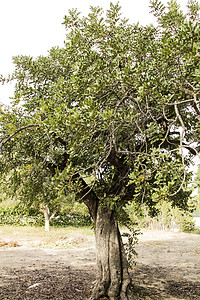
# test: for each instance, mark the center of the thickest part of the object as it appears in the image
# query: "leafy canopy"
(115, 107)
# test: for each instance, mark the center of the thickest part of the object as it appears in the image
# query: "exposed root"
(99, 290)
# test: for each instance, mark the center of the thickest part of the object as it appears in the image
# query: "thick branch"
(118, 163)
(189, 148)
(87, 194)
(17, 131)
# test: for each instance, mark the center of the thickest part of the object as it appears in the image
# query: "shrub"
(72, 219)
(168, 218)
(10, 216)
(187, 225)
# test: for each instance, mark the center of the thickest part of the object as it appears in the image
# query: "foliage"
(129, 245)
(167, 218)
(106, 119)
(17, 212)
(12, 216)
(73, 219)
(187, 225)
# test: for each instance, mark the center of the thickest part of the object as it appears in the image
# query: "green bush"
(168, 217)
(72, 219)
(10, 216)
(187, 225)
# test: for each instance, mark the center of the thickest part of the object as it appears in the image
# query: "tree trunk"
(47, 226)
(112, 269)
(46, 217)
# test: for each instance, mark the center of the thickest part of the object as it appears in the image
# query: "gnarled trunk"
(113, 278)
(112, 269)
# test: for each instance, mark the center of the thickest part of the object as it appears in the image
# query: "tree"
(108, 117)
(29, 194)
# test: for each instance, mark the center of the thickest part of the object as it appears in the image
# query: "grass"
(56, 237)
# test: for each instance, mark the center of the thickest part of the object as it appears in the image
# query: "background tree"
(108, 117)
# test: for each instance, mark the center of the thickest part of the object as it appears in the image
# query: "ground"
(63, 266)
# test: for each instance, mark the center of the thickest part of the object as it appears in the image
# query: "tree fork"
(112, 277)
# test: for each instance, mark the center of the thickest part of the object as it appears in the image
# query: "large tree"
(108, 117)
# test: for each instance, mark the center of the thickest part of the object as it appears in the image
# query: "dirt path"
(167, 267)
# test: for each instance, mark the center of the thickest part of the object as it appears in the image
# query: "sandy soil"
(167, 267)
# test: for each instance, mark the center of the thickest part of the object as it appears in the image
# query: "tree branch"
(88, 196)
(17, 131)
(189, 148)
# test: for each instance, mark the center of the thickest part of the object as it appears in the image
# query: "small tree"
(47, 216)
(108, 117)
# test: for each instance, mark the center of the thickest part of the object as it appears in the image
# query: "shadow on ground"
(154, 283)
(69, 283)
(59, 283)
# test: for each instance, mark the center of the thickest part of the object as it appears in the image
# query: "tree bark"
(47, 225)
(46, 217)
(113, 278)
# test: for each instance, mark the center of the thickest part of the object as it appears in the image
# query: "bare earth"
(167, 267)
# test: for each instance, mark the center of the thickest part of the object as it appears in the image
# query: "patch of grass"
(29, 233)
